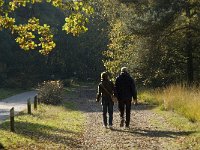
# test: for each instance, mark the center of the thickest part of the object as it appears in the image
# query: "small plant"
(51, 92)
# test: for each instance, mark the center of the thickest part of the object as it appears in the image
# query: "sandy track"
(148, 130)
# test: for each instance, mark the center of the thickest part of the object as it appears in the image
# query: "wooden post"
(12, 120)
(35, 102)
(39, 101)
(29, 106)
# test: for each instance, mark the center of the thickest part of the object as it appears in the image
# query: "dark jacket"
(125, 87)
(102, 93)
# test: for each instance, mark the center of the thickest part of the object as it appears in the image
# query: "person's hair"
(104, 76)
(124, 69)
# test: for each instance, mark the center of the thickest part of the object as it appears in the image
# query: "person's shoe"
(110, 127)
(122, 123)
(105, 126)
(127, 127)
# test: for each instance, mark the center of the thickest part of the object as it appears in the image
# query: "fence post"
(12, 120)
(35, 102)
(29, 106)
(39, 101)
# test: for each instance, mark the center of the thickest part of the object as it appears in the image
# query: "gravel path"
(19, 102)
(148, 130)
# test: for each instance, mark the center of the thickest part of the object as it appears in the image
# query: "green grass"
(4, 93)
(50, 127)
(148, 96)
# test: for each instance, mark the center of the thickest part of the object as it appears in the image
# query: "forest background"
(157, 40)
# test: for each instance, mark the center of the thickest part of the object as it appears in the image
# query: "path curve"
(19, 102)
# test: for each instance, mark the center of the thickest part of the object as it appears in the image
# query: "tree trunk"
(189, 50)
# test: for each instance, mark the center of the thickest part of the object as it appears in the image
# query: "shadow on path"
(143, 106)
(84, 98)
(156, 133)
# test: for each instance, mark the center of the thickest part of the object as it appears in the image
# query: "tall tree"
(165, 38)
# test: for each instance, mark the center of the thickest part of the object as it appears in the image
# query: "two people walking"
(124, 89)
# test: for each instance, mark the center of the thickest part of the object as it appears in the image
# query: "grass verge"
(192, 140)
(179, 98)
(179, 105)
(50, 127)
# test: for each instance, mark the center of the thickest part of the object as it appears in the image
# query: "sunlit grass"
(149, 96)
(50, 127)
(183, 100)
(182, 105)
(180, 98)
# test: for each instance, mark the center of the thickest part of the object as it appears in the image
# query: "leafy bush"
(51, 92)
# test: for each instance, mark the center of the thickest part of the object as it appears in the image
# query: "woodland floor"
(148, 130)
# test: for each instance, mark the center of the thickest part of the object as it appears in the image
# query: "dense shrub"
(51, 92)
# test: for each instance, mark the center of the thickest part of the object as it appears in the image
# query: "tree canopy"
(73, 56)
(158, 40)
(32, 35)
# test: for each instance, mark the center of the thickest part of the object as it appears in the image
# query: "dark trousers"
(122, 105)
(107, 107)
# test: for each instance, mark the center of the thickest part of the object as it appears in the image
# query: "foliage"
(27, 34)
(121, 49)
(74, 56)
(50, 127)
(51, 92)
(81, 57)
(158, 40)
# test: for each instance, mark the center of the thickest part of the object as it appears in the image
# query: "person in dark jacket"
(125, 92)
(105, 90)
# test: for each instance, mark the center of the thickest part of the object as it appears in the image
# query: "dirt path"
(148, 130)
